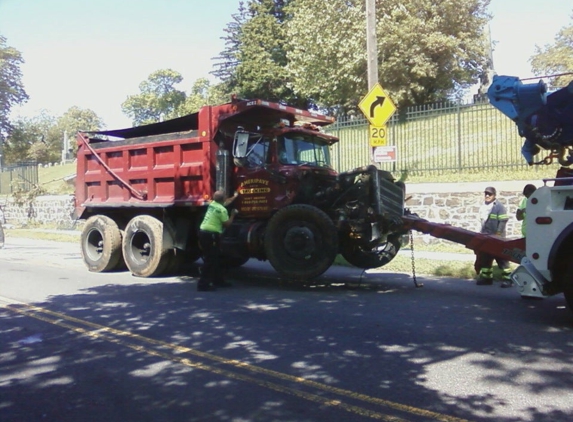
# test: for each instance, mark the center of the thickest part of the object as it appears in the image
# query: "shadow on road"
(425, 349)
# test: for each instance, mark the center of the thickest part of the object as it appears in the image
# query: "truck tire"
(101, 244)
(301, 242)
(143, 247)
(376, 257)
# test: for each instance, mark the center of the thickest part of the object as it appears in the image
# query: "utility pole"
(371, 46)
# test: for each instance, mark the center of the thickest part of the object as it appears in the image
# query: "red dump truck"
(144, 190)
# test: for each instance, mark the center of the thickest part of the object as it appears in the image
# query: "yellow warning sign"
(377, 106)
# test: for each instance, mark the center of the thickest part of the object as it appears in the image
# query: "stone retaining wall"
(53, 211)
(452, 203)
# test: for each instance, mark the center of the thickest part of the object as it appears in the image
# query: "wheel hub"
(299, 242)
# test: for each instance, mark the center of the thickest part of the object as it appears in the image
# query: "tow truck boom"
(510, 249)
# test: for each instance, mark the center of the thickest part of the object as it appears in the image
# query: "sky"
(94, 53)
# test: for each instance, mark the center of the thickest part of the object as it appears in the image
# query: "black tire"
(101, 244)
(301, 242)
(144, 247)
(376, 257)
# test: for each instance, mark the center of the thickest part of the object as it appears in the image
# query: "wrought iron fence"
(435, 139)
(22, 177)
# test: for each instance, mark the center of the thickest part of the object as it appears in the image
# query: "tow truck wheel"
(101, 244)
(143, 247)
(376, 257)
(301, 242)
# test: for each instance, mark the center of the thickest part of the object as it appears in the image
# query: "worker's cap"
(490, 189)
(529, 189)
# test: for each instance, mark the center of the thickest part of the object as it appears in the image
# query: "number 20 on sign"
(378, 136)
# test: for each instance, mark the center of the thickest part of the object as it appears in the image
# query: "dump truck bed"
(169, 163)
(155, 170)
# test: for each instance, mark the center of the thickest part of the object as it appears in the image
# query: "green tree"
(228, 59)
(254, 64)
(71, 122)
(11, 88)
(158, 98)
(556, 58)
(327, 60)
(32, 140)
(202, 94)
(427, 49)
(17, 144)
(41, 138)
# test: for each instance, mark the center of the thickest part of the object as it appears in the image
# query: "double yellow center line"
(178, 354)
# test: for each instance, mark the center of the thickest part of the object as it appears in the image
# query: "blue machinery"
(544, 119)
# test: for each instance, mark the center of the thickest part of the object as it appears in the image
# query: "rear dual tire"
(143, 247)
(147, 249)
(101, 244)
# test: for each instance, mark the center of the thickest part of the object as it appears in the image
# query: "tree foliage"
(41, 138)
(74, 120)
(556, 58)
(427, 49)
(302, 51)
(11, 88)
(31, 140)
(203, 93)
(254, 63)
(228, 59)
(328, 54)
(158, 98)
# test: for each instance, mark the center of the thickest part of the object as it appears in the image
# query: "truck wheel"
(101, 244)
(376, 257)
(143, 250)
(301, 242)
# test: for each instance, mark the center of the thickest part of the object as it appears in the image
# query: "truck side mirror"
(240, 144)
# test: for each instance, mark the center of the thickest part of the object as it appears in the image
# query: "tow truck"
(545, 256)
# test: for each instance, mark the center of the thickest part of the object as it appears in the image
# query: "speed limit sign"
(378, 136)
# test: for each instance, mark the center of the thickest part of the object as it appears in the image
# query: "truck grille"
(389, 201)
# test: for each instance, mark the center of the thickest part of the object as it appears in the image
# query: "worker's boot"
(506, 279)
(485, 277)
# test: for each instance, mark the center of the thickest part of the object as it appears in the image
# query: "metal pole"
(371, 46)
(371, 52)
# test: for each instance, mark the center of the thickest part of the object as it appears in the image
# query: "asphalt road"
(79, 346)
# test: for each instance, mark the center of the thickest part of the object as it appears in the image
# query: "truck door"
(251, 154)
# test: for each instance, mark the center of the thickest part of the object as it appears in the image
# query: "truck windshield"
(298, 148)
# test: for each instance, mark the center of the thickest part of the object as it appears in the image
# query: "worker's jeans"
(211, 271)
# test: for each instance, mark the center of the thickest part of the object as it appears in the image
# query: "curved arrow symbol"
(379, 101)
